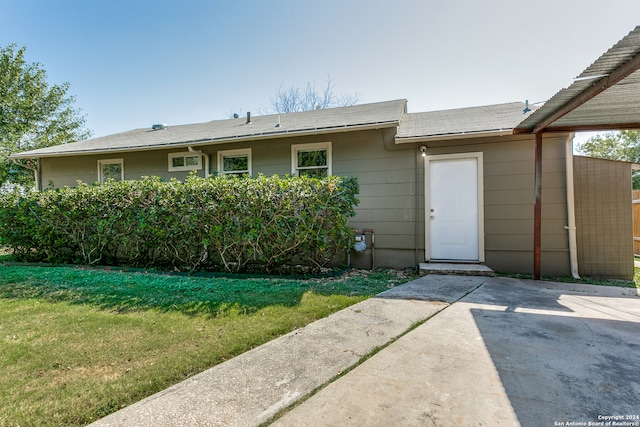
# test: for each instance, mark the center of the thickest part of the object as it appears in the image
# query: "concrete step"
(460, 269)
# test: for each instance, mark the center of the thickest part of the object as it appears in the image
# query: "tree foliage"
(293, 99)
(623, 145)
(33, 114)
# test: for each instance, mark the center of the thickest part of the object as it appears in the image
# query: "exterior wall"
(391, 178)
(604, 223)
(387, 179)
(508, 201)
(60, 171)
(391, 198)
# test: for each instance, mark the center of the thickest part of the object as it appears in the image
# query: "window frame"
(104, 162)
(315, 146)
(186, 167)
(235, 153)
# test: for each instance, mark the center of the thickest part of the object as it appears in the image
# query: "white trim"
(449, 136)
(205, 156)
(571, 209)
(316, 146)
(186, 167)
(208, 141)
(234, 153)
(36, 171)
(110, 162)
(480, 190)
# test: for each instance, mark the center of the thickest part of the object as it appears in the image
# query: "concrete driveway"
(486, 352)
(512, 352)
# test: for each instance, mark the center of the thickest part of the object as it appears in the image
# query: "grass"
(78, 344)
(585, 280)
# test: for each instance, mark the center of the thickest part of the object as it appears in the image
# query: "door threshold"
(454, 268)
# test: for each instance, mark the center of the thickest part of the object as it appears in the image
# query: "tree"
(293, 99)
(623, 145)
(33, 114)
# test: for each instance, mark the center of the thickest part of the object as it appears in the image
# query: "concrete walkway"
(508, 352)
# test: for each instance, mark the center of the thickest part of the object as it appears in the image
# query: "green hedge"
(222, 223)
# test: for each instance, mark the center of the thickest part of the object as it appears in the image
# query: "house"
(473, 187)
(492, 184)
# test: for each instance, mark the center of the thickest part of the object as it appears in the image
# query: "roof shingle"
(461, 121)
(382, 114)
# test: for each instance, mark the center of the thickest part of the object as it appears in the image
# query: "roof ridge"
(328, 109)
(472, 107)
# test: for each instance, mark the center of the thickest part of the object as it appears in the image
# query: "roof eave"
(213, 141)
(581, 128)
(450, 136)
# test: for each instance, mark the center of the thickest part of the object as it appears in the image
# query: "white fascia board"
(213, 141)
(461, 135)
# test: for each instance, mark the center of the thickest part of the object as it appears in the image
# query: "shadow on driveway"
(563, 355)
(511, 352)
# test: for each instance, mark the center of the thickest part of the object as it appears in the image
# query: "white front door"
(453, 207)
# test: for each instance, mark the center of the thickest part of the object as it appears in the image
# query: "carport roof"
(605, 96)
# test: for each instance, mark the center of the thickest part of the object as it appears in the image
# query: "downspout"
(571, 209)
(35, 171)
(537, 207)
(416, 258)
(206, 160)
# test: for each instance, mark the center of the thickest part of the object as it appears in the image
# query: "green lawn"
(77, 344)
(585, 279)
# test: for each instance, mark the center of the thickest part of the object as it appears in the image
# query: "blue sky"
(134, 63)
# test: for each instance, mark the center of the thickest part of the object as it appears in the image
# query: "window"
(236, 162)
(110, 169)
(312, 160)
(185, 161)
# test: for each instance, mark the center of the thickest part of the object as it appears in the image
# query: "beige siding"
(61, 171)
(508, 201)
(391, 179)
(386, 174)
(604, 224)
(636, 222)
(391, 201)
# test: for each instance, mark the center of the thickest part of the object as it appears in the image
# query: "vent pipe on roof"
(248, 118)
(526, 107)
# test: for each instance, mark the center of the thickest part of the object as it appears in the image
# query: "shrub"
(225, 222)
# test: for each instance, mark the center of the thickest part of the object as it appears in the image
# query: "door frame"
(480, 196)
